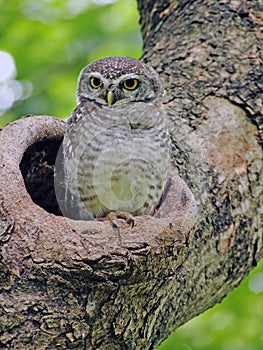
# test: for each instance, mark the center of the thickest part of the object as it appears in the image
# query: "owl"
(116, 145)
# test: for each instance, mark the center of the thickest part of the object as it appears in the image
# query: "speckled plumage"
(116, 157)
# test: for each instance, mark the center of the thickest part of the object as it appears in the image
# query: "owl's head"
(116, 80)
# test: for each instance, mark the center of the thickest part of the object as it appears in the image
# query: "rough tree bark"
(69, 284)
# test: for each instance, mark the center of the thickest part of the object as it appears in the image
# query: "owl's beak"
(110, 98)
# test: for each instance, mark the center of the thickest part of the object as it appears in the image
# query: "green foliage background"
(51, 41)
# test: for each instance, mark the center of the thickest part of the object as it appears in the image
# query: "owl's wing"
(73, 125)
(72, 139)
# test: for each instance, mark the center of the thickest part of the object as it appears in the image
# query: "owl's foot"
(113, 216)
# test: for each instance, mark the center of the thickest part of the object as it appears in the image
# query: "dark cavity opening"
(38, 167)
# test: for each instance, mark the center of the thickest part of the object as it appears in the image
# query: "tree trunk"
(72, 284)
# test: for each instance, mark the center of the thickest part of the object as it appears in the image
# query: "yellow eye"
(130, 84)
(95, 82)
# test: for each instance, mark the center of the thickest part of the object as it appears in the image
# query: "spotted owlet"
(116, 145)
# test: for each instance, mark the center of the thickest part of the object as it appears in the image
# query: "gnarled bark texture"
(68, 284)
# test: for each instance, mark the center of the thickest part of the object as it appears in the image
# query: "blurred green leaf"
(51, 41)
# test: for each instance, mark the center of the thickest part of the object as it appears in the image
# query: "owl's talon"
(115, 224)
(131, 221)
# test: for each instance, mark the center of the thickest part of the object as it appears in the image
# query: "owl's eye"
(95, 82)
(130, 84)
